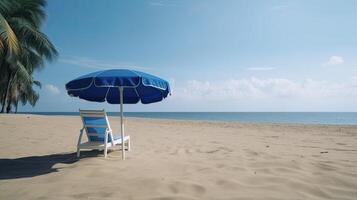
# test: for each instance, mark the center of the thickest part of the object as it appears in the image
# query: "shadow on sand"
(27, 167)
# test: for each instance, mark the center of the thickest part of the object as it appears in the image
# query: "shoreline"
(198, 121)
(203, 120)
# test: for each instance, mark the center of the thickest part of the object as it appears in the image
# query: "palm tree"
(23, 47)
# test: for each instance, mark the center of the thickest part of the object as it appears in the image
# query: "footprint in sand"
(227, 184)
(223, 150)
(220, 166)
(212, 151)
(182, 151)
(187, 188)
(251, 153)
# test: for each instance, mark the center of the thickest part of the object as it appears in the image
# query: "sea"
(338, 118)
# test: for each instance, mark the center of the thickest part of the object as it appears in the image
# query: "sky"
(227, 55)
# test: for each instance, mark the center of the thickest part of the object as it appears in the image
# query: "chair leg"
(128, 144)
(105, 152)
(79, 142)
(78, 152)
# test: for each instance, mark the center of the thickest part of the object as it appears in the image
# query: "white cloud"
(52, 89)
(96, 64)
(261, 68)
(253, 88)
(335, 60)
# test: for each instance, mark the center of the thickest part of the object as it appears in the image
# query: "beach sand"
(178, 160)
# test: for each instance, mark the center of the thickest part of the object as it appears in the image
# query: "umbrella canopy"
(119, 86)
(104, 85)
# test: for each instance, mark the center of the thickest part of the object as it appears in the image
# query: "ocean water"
(346, 118)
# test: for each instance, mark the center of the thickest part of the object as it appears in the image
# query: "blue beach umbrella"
(119, 86)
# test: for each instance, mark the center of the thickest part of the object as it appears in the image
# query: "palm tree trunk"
(10, 81)
(3, 63)
(16, 105)
(2, 102)
(6, 92)
(9, 100)
(8, 108)
(3, 75)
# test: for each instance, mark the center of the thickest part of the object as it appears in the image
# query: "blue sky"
(217, 55)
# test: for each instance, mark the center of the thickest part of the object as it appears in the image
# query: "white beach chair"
(99, 133)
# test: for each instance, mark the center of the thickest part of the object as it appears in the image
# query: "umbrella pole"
(121, 89)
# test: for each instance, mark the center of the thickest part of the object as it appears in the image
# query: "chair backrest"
(95, 123)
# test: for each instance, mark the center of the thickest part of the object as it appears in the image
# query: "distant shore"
(178, 159)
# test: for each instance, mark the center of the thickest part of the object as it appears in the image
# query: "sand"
(178, 160)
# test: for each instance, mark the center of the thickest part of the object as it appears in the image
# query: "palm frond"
(28, 94)
(31, 10)
(2, 49)
(34, 38)
(21, 73)
(37, 83)
(31, 59)
(7, 6)
(8, 36)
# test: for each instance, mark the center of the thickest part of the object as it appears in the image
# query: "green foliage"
(23, 49)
